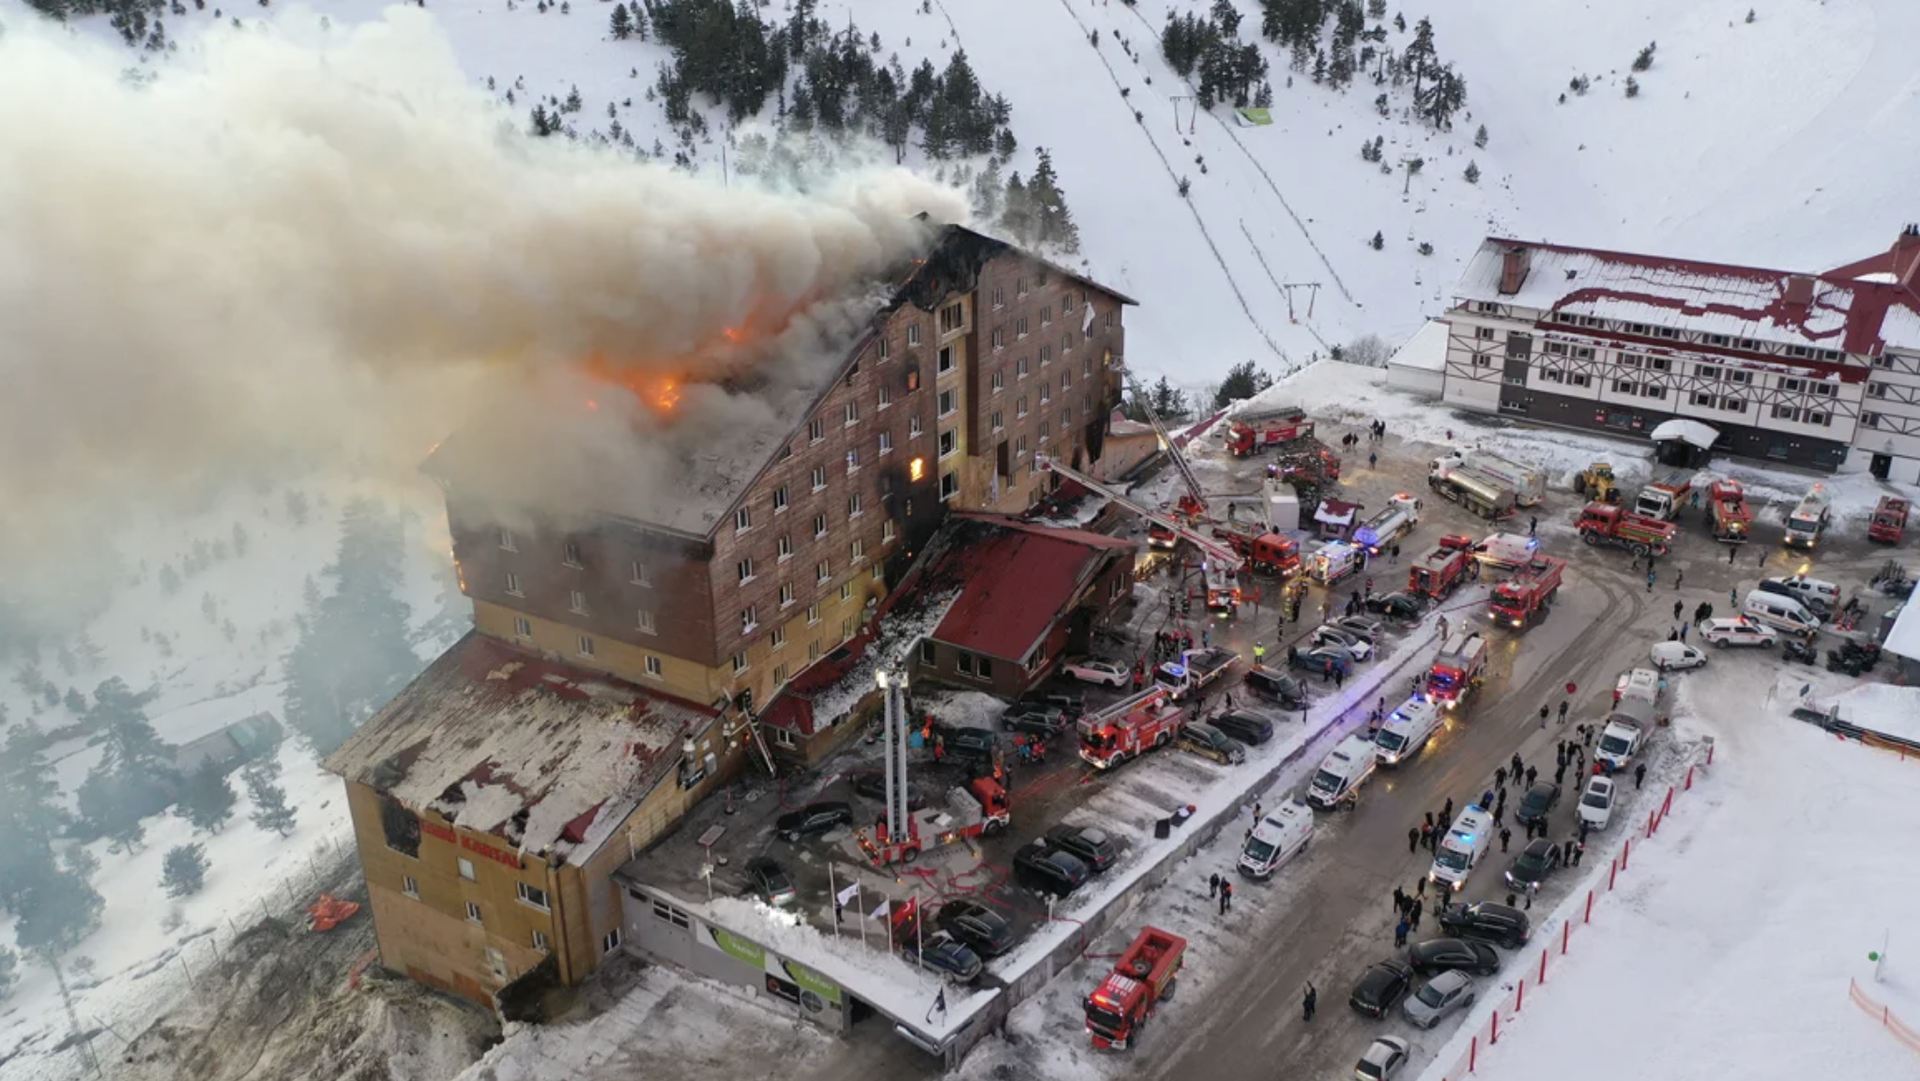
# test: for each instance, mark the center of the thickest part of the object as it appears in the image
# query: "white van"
(1406, 731)
(1784, 613)
(1286, 830)
(1460, 850)
(1507, 550)
(1639, 684)
(1341, 774)
(1817, 595)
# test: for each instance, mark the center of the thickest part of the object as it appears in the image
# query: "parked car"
(1596, 803)
(1048, 869)
(974, 743)
(1329, 635)
(1401, 606)
(813, 818)
(1440, 996)
(1317, 660)
(1283, 688)
(1450, 954)
(1502, 925)
(1382, 1060)
(1534, 863)
(1677, 656)
(1361, 626)
(1382, 985)
(1209, 742)
(945, 954)
(769, 881)
(1095, 670)
(1034, 720)
(873, 786)
(1738, 632)
(985, 931)
(1094, 847)
(1070, 702)
(1244, 727)
(1539, 800)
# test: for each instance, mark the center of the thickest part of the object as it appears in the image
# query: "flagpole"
(860, 906)
(919, 925)
(833, 898)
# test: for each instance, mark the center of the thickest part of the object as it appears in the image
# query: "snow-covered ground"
(1730, 946)
(206, 682)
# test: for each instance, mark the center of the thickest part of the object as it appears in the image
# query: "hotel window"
(949, 486)
(653, 666)
(949, 441)
(668, 913)
(949, 401)
(853, 460)
(1825, 390)
(887, 532)
(410, 887)
(779, 674)
(642, 574)
(1734, 405)
(466, 867)
(506, 541)
(914, 427)
(998, 382)
(1701, 399)
(1871, 420)
(813, 651)
(858, 550)
(1066, 380)
(1020, 368)
(1744, 378)
(1066, 343)
(1876, 390)
(1651, 391)
(853, 413)
(886, 395)
(819, 477)
(1658, 364)
(748, 620)
(1109, 319)
(913, 334)
(1020, 287)
(1086, 368)
(778, 640)
(1046, 315)
(998, 421)
(1020, 327)
(570, 554)
(855, 508)
(645, 622)
(786, 595)
(522, 628)
(1046, 355)
(1485, 334)
(745, 570)
(822, 571)
(1020, 407)
(1791, 385)
(852, 370)
(1066, 302)
(532, 895)
(1046, 393)
(846, 594)
(886, 442)
(786, 547)
(999, 297)
(819, 526)
(780, 499)
(540, 941)
(586, 645)
(1046, 430)
(952, 317)
(739, 662)
(1785, 412)
(999, 339)
(610, 941)
(473, 914)
(813, 615)
(1814, 416)
(1707, 371)
(1625, 386)
(943, 362)
(576, 602)
(742, 520)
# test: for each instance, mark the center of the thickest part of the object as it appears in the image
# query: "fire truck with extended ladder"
(1130, 727)
(1528, 595)
(1143, 977)
(976, 810)
(1221, 566)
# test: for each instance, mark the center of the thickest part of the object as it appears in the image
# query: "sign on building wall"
(784, 979)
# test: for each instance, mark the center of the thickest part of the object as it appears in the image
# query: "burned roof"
(498, 740)
(1016, 579)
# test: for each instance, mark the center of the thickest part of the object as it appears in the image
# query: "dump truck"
(1527, 483)
(1663, 496)
(1384, 529)
(1810, 518)
(1480, 494)
(1732, 522)
(1889, 521)
(1608, 524)
(1596, 483)
(976, 810)
(1458, 670)
(1527, 595)
(1143, 977)
(1195, 670)
(1439, 572)
(1252, 432)
(1130, 728)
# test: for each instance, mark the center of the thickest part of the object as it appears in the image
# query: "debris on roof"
(498, 740)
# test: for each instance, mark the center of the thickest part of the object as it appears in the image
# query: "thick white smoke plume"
(291, 242)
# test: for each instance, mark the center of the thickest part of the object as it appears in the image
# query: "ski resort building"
(619, 664)
(1820, 370)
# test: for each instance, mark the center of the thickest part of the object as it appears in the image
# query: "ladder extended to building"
(1212, 549)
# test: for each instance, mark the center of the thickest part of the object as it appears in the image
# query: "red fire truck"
(1144, 977)
(1889, 522)
(1130, 728)
(1458, 670)
(980, 808)
(1267, 553)
(1605, 523)
(1527, 596)
(1727, 503)
(1251, 433)
(1439, 572)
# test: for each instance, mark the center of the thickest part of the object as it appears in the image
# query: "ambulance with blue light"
(1467, 839)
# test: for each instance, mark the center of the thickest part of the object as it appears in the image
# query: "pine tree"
(1379, 241)
(1244, 380)
(1263, 98)
(31, 812)
(1053, 223)
(573, 104)
(207, 800)
(1169, 401)
(1419, 54)
(185, 870)
(543, 124)
(135, 776)
(1017, 219)
(1633, 87)
(1480, 137)
(622, 24)
(1472, 175)
(1376, 9)
(169, 580)
(75, 701)
(270, 810)
(1645, 59)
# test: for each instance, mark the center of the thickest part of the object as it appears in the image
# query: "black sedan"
(1049, 870)
(986, 931)
(769, 881)
(1453, 955)
(1534, 864)
(975, 743)
(1502, 925)
(1383, 986)
(1244, 727)
(1321, 659)
(1539, 800)
(1394, 605)
(943, 953)
(812, 819)
(1283, 688)
(1035, 720)
(873, 786)
(1094, 847)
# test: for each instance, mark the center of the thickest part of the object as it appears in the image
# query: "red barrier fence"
(1508, 1010)
(1877, 1010)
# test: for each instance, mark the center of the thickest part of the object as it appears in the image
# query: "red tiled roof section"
(1017, 580)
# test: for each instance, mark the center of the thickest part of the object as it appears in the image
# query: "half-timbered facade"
(1815, 370)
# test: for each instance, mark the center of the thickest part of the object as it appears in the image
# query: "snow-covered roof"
(1784, 307)
(1336, 512)
(1426, 350)
(1904, 639)
(1687, 431)
(497, 740)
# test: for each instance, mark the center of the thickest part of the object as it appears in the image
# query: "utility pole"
(1411, 165)
(85, 1042)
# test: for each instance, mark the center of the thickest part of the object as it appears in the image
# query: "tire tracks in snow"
(1205, 234)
